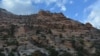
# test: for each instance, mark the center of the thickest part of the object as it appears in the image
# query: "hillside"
(46, 34)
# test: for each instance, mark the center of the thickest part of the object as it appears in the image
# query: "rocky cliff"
(46, 34)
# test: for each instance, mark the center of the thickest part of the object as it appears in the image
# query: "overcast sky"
(81, 10)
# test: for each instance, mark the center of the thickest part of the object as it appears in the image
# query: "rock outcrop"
(47, 34)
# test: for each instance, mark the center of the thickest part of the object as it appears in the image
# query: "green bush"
(38, 53)
(2, 54)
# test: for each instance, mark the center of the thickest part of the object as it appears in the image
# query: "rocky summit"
(46, 34)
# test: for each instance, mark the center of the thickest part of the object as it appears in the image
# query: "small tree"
(11, 54)
(37, 31)
(2, 54)
(12, 29)
(52, 51)
(38, 53)
(65, 54)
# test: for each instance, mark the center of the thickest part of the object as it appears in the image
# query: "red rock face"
(48, 29)
(46, 19)
(89, 26)
(44, 13)
(54, 21)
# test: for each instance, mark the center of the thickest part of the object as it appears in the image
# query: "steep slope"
(46, 34)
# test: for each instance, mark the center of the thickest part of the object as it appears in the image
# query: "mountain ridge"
(47, 34)
(41, 13)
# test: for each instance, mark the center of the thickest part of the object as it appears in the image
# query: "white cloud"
(18, 6)
(94, 15)
(76, 14)
(71, 2)
(85, 0)
(27, 7)
(63, 8)
(58, 3)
